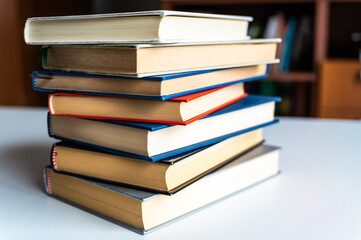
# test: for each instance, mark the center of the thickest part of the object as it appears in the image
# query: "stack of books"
(152, 112)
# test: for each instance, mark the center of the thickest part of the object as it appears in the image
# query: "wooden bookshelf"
(293, 76)
(18, 60)
(338, 77)
(321, 12)
(321, 21)
(331, 21)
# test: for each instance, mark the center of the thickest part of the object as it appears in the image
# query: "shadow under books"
(27, 162)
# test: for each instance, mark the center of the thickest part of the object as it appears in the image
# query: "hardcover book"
(141, 60)
(180, 111)
(146, 26)
(161, 87)
(153, 142)
(166, 176)
(144, 212)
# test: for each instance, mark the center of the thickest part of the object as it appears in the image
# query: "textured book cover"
(266, 164)
(196, 153)
(107, 18)
(251, 100)
(186, 99)
(165, 77)
(259, 51)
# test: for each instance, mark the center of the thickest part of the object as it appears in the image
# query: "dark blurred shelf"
(293, 76)
(176, 3)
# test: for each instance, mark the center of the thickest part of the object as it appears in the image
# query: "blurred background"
(320, 71)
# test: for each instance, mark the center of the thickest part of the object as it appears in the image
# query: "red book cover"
(185, 98)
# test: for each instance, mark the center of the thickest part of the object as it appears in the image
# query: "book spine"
(50, 104)
(26, 31)
(44, 56)
(40, 75)
(49, 125)
(289, 39)
(47, 180)
(33, 80)
(53, 157)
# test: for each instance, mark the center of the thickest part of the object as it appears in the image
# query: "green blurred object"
(255, 30)
(267, 88)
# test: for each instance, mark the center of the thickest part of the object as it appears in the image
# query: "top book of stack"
(136, 27)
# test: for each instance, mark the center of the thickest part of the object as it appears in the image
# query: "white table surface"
(317, 195)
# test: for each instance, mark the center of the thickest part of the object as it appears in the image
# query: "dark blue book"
(288, 45)
(161, 87)
(154, 142)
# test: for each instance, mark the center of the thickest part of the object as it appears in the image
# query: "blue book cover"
(289, 39)
(165, 77)
(250, 101)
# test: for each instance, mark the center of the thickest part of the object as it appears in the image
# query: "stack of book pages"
(151, 112)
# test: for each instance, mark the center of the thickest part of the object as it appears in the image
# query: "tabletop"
(316, 196)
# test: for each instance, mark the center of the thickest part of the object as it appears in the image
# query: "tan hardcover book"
(156, 87)
(157, 141)
(144, 211)
(147, 26)
(167, 176)
(142, 60)
(180, 111)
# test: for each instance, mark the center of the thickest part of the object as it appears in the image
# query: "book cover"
(110, 20)
(196, 153)
(192, 57)
(263, 158)
(185, 109)
(165, 77)
(166, 155)
(288, 45)
(251, 100)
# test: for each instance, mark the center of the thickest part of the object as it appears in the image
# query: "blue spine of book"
(289, 39)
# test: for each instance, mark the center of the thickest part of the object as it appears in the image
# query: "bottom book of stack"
(143, 211)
